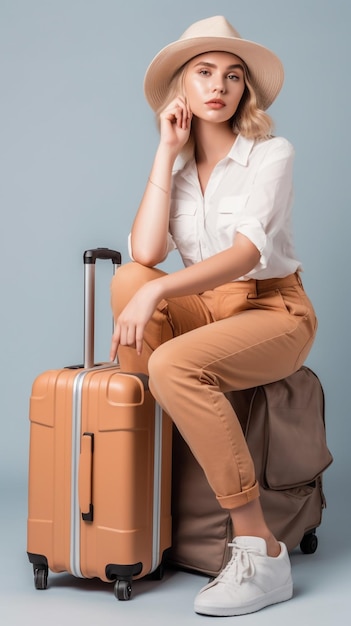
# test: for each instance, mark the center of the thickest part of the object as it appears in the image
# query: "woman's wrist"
(155, 289)
(161, 173)
(152, 182)
(166, 155)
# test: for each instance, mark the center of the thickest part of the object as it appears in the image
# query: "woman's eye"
(204, 72)
(233, 77)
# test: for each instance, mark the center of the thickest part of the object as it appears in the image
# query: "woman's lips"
(215, 103)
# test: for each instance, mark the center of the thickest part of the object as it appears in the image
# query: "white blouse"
(250, 192)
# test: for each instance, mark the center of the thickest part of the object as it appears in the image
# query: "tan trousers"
(196, 348)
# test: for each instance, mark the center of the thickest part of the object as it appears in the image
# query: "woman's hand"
(129, 327)
(175, 124)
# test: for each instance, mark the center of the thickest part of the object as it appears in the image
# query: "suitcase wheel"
(123, 589)
(40, 577)
(309, 543)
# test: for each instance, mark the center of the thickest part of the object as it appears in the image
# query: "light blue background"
(77, 139)
(76, 144)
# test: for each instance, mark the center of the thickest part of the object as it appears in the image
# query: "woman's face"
(214, 84)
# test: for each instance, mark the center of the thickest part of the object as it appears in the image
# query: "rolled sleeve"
(254, 231)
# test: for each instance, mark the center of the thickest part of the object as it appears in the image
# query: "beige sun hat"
(214, 34)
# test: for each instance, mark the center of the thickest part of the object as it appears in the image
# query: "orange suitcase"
(99, 468)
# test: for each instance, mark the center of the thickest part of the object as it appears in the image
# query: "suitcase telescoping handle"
(90, 257)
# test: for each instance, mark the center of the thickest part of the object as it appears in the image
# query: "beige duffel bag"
(285, 431)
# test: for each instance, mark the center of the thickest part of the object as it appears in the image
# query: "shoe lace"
(241, 565)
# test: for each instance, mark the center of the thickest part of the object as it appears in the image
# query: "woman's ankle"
(273, 546)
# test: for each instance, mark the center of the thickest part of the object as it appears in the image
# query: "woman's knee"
(127, 280)
(157, 365)
(162, 371)
(133, 274)
(170, 371)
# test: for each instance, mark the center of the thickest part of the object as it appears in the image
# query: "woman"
(237, 316)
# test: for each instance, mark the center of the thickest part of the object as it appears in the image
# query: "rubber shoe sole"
(282, 594)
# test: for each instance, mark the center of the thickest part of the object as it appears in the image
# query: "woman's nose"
(218, 85)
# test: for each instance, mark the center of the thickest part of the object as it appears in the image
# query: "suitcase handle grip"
(90, 257)
(85, 477)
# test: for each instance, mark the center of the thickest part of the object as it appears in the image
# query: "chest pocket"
(229, 214)
(184, 229)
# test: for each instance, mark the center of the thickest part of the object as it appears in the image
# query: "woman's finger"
(114, 344)
(139, 338)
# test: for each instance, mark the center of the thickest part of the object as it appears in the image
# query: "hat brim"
(265, 68)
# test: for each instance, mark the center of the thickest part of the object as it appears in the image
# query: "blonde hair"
(249, 120)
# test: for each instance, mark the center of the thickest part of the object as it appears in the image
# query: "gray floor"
(322, 584)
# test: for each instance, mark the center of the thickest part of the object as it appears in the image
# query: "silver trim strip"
(75, 513)
(157, 489)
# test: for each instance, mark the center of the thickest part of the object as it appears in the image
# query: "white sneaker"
(250, 581)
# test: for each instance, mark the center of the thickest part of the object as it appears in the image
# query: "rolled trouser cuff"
(239, 499)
